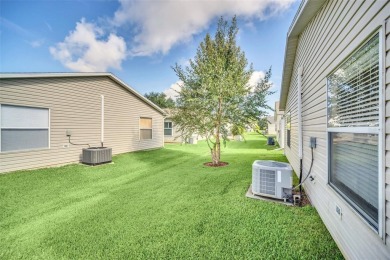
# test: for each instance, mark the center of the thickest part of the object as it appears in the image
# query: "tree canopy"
(215, 93)
(160, 99)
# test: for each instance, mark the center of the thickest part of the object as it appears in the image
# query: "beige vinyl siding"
(330, 37)
(387, 127)
(75, 104)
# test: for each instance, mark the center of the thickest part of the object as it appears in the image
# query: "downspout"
(300, 152)
(102, 122)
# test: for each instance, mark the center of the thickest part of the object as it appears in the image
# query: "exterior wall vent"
(272, 179)
(97, 155)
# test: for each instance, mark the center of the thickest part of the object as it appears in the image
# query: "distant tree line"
(160, 99)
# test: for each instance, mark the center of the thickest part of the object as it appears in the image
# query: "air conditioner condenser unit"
(272, 179)
(97, 155)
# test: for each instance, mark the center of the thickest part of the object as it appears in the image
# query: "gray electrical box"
(313, 142)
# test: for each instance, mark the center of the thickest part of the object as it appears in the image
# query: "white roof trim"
(306, 11)
(82, 74)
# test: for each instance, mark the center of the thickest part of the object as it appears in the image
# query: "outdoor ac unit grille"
(272, 179)
(267, 182)
(97, 155)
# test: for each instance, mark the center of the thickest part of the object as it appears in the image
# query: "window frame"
(378, 130)
(139, 127)
(171, 128)
(27, 128)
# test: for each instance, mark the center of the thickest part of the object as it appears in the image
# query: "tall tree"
(160, 99)
(215, 93)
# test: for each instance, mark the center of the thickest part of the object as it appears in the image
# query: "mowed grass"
(156, 204)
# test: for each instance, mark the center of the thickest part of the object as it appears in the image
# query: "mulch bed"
(304, 199)
(220, 164)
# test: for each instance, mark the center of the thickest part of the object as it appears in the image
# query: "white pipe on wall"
(300, 146)
(102, 121)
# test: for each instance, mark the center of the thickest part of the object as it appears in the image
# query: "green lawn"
(156, 204)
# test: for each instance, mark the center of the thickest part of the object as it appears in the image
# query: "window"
(353, 130)
(168, 128)
(145, 128)
(23, 128)
(288, 127)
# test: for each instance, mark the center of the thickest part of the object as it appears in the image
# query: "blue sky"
(137, 40)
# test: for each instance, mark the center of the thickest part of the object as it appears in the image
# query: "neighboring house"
(336, 88)
(279, 125)
(271, 125)
(38, 110)
(171, 133)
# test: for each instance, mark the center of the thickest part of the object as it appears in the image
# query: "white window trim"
(369, 130)
(288, 119)
(27, 150)
(139, 128)
(168, 128)
(355, 130)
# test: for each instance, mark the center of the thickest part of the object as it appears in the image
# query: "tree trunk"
(217, 149)
(217, 144)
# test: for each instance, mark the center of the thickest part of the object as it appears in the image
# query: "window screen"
(353, 89)
(24, 128)
(353, 104)
(146, 131)
(354, 168)
(168, 128)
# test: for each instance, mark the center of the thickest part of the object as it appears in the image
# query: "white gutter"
(102, 121)
(300, 152)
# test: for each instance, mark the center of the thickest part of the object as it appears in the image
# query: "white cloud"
(37, 43)
(161, 24)
(255, 78)
(30, 37)
(172, 91)
(88, 49)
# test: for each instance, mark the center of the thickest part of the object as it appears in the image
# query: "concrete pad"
(249, 194)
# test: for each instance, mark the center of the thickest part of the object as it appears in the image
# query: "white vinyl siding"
(75, 104)
(24, 128)
(353, 120)
(332, 35)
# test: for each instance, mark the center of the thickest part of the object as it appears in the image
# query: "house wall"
(271, 129)
(280, 132)
(279, 125)
(175, 138)
(75, 104)
(330, 37)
